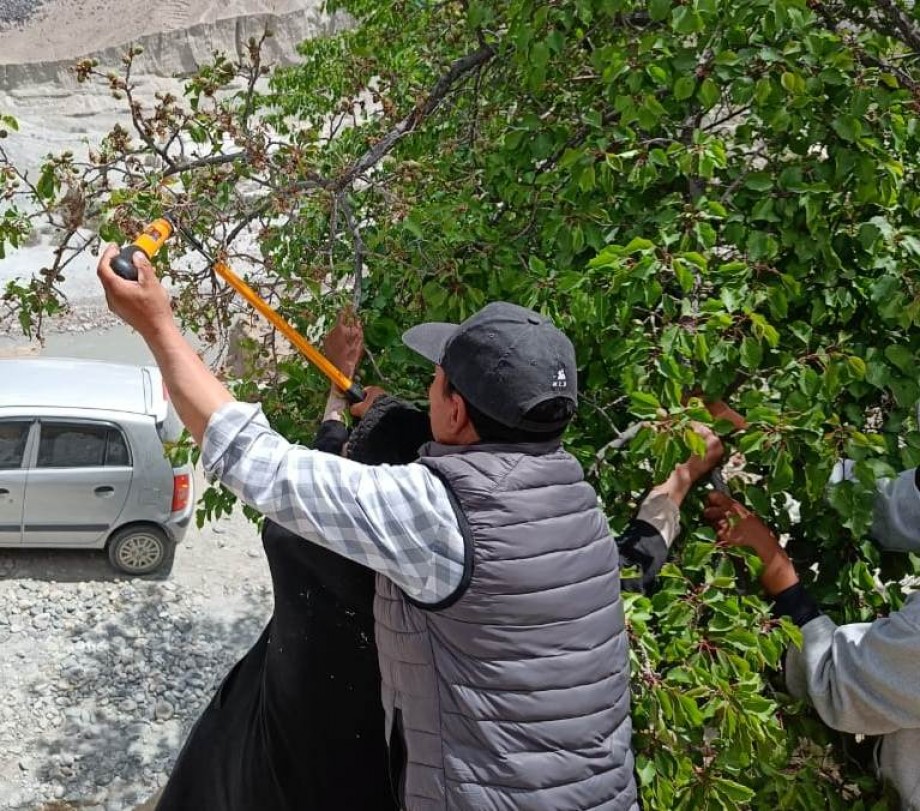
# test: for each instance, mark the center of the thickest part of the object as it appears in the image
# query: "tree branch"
(255, 70)
(134, 107)
(200, 163)
(909, 32)
(622, 439)
(458, 69)
(268, 202)
(865, 58)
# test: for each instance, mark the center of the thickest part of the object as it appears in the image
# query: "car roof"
(76, 383)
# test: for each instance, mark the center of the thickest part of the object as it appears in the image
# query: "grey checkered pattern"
(397, 520)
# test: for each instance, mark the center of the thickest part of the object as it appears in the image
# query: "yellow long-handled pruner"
(152, 239)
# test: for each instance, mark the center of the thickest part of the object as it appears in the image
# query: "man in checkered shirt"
(498, 584)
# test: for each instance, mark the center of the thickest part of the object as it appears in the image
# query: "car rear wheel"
(140, 550)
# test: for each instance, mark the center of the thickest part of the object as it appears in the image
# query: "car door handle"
(105, 491)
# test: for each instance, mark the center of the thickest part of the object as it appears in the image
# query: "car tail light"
(181, 491)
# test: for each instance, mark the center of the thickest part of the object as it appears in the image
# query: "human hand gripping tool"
(154, 236)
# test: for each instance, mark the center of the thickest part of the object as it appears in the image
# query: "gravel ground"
(82, 315)
(17, 11)
(102, 675)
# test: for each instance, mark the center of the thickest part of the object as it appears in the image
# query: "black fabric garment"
(297, 724)
(641, 547)
(391, 433)
(796, 603)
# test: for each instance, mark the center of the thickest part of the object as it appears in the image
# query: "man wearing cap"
(498, 619)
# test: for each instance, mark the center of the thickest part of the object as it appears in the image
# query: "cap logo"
(560, 381)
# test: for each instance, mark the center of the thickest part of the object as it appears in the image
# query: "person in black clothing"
(297, 723)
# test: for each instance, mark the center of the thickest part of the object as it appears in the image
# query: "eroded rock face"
(55, 113)
(41, 33)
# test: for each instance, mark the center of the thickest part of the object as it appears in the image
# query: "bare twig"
(474, 117)
(135, 109)
(378, 375)
(333, 230)
(901, 28)
(358, 250)
(255, 70)
(267, 202)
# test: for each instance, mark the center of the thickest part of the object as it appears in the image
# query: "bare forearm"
(336, 406)
(194, 390)
(778, 572)
(676, 486)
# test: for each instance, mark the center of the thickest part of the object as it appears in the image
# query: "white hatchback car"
(83, 464)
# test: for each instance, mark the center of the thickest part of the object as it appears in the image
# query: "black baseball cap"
(504, 360)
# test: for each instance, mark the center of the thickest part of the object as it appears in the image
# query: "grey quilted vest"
(514, 694)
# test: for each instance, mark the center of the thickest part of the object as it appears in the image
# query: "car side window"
(13, 436)
(116, 450)
(81, 445)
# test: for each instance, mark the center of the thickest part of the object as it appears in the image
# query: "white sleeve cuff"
(663, 514)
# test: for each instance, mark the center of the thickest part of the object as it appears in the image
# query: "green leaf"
(732, 790)
(709, 93)
(758, 181)
(782, 475)
(684, 276)
(857, 366)
(751, 353)
(793, 83)
(659, 9)
(46, 183)
(684, 87)
(644, 404)
(413, 227)
(686, 20)
(847, 127)
(903, 358)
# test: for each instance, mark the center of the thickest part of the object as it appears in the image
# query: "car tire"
(141, 550)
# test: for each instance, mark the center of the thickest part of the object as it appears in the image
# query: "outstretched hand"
(720, 410)
(688, 473)
(738, 526)
(735, 524)
(344, 343)
(696, 467)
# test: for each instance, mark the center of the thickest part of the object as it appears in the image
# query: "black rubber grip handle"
(123, 264)
(354, 394)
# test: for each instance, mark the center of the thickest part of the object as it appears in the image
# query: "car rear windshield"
(170, 429)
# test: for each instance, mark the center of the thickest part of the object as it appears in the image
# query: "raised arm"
(144, 305)
(645, 543)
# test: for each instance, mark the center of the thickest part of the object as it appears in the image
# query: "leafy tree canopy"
(710, 196)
